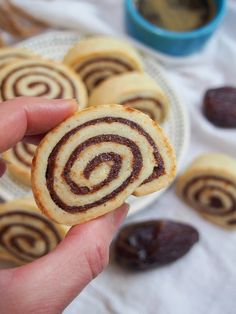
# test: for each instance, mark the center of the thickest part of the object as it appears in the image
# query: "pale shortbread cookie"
(11, 54)
(135, 90)
(42, 78)
(91, 163)
(209, 186)
(99, 58)
(19, 161)
(25, 234)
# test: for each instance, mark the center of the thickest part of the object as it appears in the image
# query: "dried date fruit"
(219, 106)
(153, 243)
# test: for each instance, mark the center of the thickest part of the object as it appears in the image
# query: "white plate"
(54, 45)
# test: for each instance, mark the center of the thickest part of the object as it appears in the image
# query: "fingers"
(31, 116)
(54, 280)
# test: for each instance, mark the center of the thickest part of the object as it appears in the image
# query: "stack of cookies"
(113, 73)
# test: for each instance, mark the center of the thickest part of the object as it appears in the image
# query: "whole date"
(153, 243)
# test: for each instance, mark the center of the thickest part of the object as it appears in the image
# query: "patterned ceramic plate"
(54, 45)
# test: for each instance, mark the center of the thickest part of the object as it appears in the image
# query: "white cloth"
(204, 281)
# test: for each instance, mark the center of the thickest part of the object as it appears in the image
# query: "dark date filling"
(60, 94)
(20, 157)
(133, 101)
(114, 171)
(137, 166)
(215, 203)
(30, 240)
(105, 157)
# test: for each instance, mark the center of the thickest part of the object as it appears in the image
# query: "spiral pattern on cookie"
(19, 162)
(135, 90)
(9, 55)
(95, 71)
(27, 236)
(209, 186)
(109, 159)
(96, 59)
(212, 195)
(24, 153)
(42, 79)
(97, 158)
(148, 105)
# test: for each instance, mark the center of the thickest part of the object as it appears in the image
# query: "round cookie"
(42, 78)
(25, 234)
(90, 163)
(99, 58)
(135, 90)
(12, 54)
(19, 160)
(209, 186)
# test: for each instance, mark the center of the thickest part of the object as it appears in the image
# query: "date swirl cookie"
(25, 234)
(99, 58)
(90, 163)
(209, 186)
(19, 162)
(41, 78)
(9, 55)
(135, 90)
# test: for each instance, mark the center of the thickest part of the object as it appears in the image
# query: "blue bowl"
(169, 42)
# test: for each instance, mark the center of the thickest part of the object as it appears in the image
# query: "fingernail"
(119, 215)
(73, 103)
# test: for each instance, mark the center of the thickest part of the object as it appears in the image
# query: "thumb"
(52, 282)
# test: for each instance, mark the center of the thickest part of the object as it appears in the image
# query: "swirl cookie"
(209, 186)
(93, 161)
(99, 58)
(19, 162)
(135, 90)
(9, 55)
(25, 234)
(41, 78)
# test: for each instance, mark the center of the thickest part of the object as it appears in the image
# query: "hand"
(50, 283)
